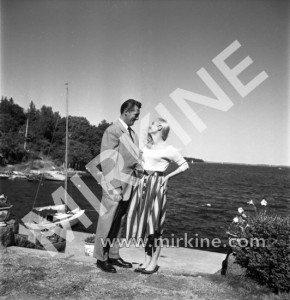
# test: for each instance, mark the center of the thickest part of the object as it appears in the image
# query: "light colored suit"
(120, 162)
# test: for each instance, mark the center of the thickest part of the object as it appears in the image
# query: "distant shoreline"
(23, 165)
(245, 164)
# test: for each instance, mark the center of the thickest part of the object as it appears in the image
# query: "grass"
(35, 277)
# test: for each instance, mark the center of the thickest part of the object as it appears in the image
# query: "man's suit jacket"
(120, 159)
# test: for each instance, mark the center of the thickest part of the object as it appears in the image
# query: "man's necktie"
(130, 132)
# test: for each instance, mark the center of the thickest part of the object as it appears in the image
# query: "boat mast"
(25, 141)
(66, 145)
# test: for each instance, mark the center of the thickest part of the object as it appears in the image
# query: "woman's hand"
(164, 181)
(117, 195)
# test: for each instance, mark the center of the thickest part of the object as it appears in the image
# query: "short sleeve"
(176, 156)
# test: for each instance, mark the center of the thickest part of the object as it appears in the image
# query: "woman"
(147, 210)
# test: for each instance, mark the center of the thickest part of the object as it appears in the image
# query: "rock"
(7, 235)
(21, 240)
(15, 225)
(233, 268)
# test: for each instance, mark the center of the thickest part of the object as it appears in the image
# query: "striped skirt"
(146, 214)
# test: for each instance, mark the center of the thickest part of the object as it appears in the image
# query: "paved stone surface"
(175, 260)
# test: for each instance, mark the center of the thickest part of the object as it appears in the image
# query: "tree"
(95, 137)
(12, 138)
(46, 134)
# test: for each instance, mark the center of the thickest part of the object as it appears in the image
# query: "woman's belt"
(158, 173)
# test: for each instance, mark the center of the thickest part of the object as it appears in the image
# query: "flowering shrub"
(90, 239)
(261, 243)
(4, 202)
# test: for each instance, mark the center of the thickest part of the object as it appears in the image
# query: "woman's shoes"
(150, 272)
(139, 269)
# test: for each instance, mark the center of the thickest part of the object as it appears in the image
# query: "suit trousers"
(110, 227)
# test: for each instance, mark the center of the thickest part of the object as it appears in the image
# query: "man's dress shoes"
(119, 262)
(106, 266)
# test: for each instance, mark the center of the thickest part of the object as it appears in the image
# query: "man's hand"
(139, 171)
(117, 195)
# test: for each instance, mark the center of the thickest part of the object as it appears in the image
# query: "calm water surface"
(225, 186)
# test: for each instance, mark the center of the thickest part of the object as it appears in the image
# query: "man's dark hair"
(129, 104)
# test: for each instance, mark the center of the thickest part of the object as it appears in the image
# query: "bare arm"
(177, 171)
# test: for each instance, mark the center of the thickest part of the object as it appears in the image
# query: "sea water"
(201, 202)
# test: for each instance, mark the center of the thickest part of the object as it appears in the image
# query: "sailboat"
(4, 176)
(54, 175)
(55, 215)
(58, 215)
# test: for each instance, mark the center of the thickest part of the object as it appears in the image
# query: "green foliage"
(12, 117)
(4, 202)
(11, 146)
(262, 246)
(46, 135)
(90, 239)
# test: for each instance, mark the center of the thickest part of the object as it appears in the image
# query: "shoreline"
(48, 164)
(81, 235)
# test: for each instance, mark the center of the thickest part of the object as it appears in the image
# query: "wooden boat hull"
(54, 176)
(55, 215)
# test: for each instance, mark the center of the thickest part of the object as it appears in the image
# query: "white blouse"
(159, 159)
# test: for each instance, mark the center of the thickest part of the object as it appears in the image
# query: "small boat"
(34, 177)
(71, 172)
(55, 215)
(47, 217)
(17, 174)
(4, 176)
(60, 175)
(54, 176)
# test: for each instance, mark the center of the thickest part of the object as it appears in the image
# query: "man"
(120, 163)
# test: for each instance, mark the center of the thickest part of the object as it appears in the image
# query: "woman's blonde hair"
(165, 128)
(164, 132)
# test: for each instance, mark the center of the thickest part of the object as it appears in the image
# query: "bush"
(262, 245)
(4, 202)
(90, 239)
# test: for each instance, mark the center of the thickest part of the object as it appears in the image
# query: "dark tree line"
(46, 135)
(193, 160)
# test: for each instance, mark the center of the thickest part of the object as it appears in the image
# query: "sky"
(110, 51)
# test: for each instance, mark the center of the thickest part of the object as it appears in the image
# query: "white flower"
(240, 210)
(244, 215)
(236, 220)
(2, 196)
(250, 202)
(264, 202)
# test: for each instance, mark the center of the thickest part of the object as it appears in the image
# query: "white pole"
(66, 145)
(26, 134)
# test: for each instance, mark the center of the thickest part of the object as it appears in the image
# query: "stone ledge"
(174, 260)
(7, 235)
(178, 261)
